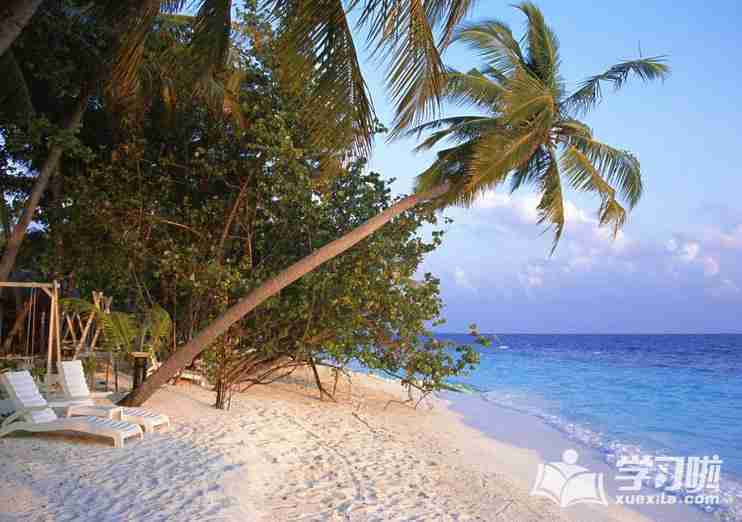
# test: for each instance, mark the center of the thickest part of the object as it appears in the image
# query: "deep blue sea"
(675, 395)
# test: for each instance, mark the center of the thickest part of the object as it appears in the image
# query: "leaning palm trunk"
(15, 15)
(39, 187)
(184, 355)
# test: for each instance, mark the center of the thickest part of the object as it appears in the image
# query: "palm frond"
(498, 154)
(543, 45)
(451, 167)
(532, 171)
(132, 22)
(526, 99)
(210, 42)
(590, 92)
(619, 167)
(442, 122)
(221, 95)
(317, 32)
(157, 326)
(119, 331)
(570, 127)
(79, 306)
(402, 33)
(472, 88)
(459, 130)
(585, 177)
(494, 42)
(551, 205)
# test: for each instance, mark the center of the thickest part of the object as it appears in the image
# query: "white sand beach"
(281, 454)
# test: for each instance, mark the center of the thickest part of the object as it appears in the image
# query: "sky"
(677, 265)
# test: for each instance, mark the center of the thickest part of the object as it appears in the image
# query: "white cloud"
(710, 266)
(493, 199)
(690, 251)
(532, 276)
(523, 208)
(462, 278)
(581, 263)
(732, 240)
(589, 254)
(725, 288)
(573, 214)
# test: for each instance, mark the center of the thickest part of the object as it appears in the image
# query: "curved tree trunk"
(183, 356)
(42, 181)
(14, 16)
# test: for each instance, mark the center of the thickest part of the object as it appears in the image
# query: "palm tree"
(528, 129)
(530, 124)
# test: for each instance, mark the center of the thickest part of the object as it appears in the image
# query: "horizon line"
(590, 333)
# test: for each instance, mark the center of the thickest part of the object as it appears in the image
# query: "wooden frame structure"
(54, 343)
(75, 333)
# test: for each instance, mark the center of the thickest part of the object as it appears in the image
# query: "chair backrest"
(24, 393)
(72, 379)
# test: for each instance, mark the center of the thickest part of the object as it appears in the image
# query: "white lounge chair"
(76, 391)
(33, 414)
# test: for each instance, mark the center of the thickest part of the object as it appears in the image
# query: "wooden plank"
(11, 284)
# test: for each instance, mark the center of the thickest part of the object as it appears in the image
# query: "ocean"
(659, 395)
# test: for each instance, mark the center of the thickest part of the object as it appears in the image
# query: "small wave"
(462, 388)
(615, 451)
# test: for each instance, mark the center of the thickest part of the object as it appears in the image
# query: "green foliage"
(192, 208)
(8, 365)
(157, 327)
(124, 332)
(529, 133)
(38, 373)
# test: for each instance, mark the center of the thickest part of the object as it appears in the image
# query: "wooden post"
(57, 329)
(50, 342)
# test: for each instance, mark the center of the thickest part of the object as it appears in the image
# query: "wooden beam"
(57, 329)
(11, 284)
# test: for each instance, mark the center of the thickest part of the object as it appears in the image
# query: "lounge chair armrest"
(63, 402)
(18, 413)
(33, 408)
(14, 417)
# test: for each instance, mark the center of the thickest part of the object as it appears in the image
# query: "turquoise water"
(677, 395)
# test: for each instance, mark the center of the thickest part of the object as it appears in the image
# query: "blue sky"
(677, 266)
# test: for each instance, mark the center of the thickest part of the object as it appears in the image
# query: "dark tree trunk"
(186, 353)
(318, 381)
(14, 16)
(42, 181)
(222, 394)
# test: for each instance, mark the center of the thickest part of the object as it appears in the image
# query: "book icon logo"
(565, 483)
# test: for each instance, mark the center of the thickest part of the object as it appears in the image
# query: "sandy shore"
(281, 454)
